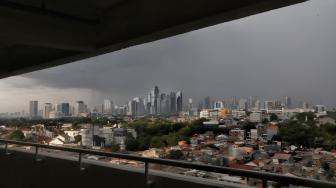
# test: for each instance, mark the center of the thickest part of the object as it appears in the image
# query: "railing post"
(80, 161)
(6, 149)
(36, 154)
(148, 182)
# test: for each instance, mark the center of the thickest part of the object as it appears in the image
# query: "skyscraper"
(207, 104)
(33, 109)
(47, 108)
(58, 107)
(242, 104)
(131, 108)
(154, 99)
(190, 103)
(288, 102)
(172, 102)
(80, 107)
(65, 109)
(139, 106)
(164, 104)
(108, 107)
(234, 103)
(179, 102)
(252, 102)
(272, 105)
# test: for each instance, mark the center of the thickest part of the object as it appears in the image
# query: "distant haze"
(289, 51)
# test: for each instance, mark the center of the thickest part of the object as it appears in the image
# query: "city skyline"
(158, 103)
(254, 56)
(207, 102)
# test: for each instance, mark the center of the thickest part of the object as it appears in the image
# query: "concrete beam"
(31, 29)
(42, 37)
(132, 25)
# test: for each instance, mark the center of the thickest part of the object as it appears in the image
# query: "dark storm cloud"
(290, 51)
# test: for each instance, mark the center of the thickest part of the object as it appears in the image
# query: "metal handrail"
(264, 176)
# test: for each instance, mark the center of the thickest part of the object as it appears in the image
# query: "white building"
(254, 134)
(320, 110)
(108, 107)
(59, 140)
(325, 120)
(218, 105)
(255, 117)
(107, 133)
(47, 108)
(72, 135)
(87, 135)
(238, 113)
(205, 113)
(119, 135)
(55, 114)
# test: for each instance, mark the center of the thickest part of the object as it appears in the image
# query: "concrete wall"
(19, 170)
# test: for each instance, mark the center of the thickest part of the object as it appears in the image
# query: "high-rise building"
(218, 105)
(273, 105)
(146, 105)
(47, 108)
(172, 102)
(164, 104)
(234, 103)
(131, 108)
(65, 109)
(278, 105)
(136, 107)
(33, 109)
(179, 101)
(190, 103)
(207, 103)
(320, 108)
(121, 110)
(80, 107)
(257, 105)
(252, 102)
(288, 102)
(242, 104)
(58, 107)
(108, 107)
(154, 100)
(139, 106)
(305, 105)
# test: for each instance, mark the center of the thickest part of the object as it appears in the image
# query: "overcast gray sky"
(289, 51)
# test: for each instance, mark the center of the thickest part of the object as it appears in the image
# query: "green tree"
(157, 142)
(78, 138)
(76, 126)
(115, 147)
(175, 154)
(131, 143)
(274, 117)
(143, 142)
(17, 135)
(298, 131)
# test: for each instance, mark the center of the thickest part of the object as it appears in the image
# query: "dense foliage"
(302, 130)
(161, 133)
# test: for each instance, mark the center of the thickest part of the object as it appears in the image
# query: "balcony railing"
(266, 177)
